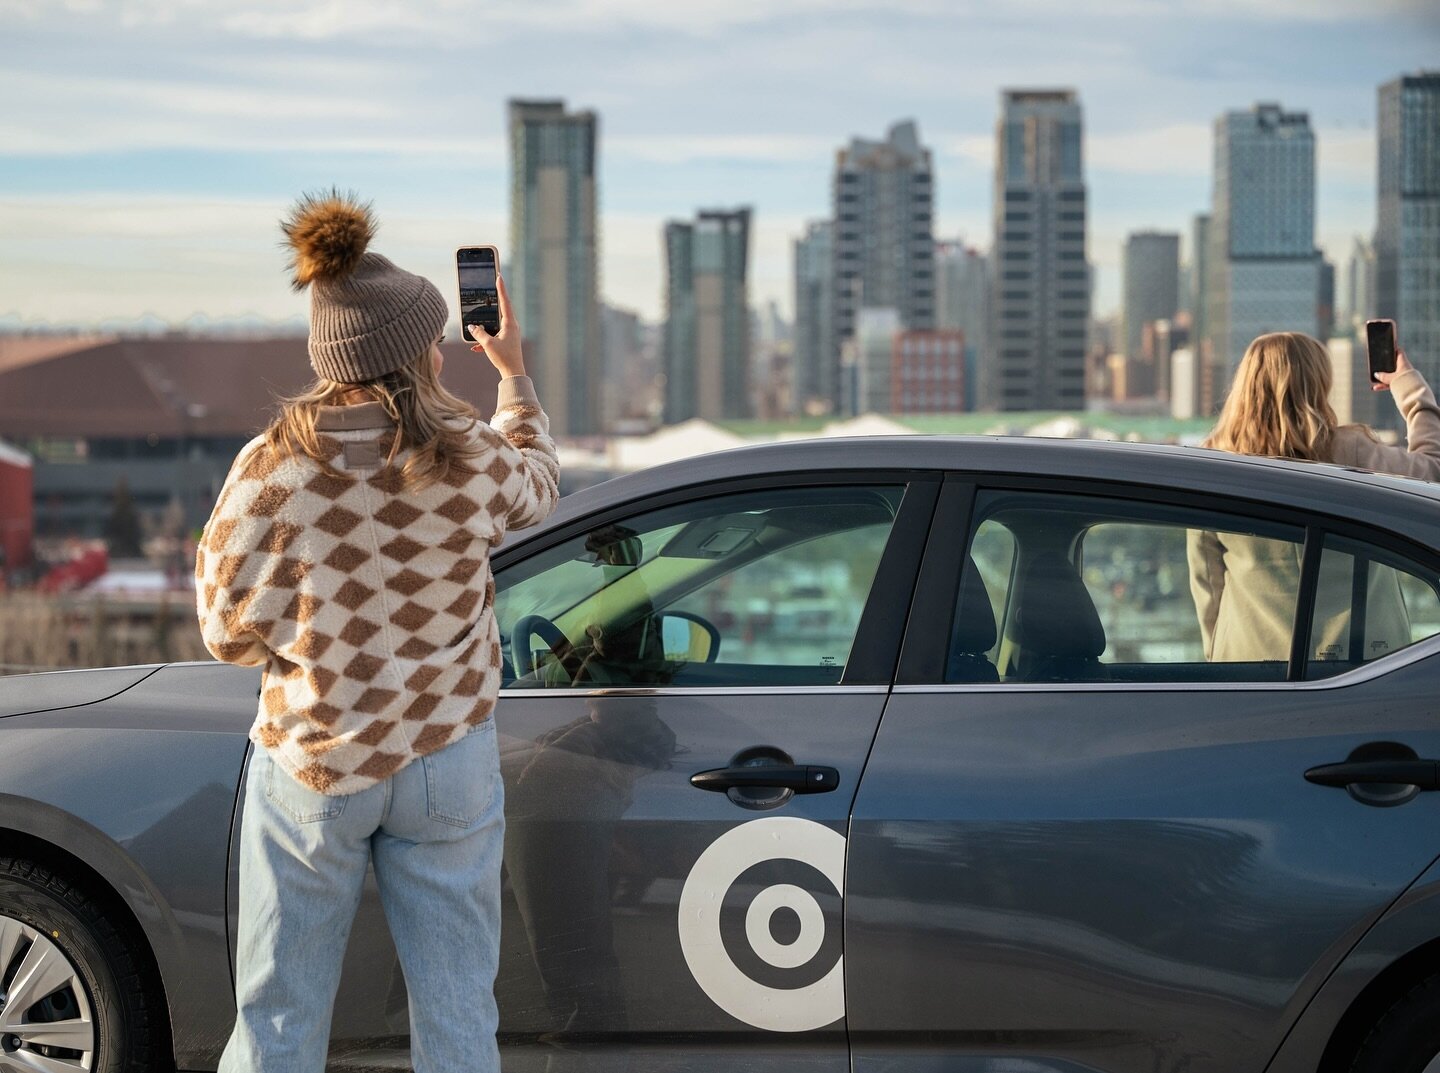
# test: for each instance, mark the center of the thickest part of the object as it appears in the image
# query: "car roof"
(1405, 505)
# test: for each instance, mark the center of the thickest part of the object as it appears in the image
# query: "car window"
(1092, 589)
(755, 589)
(1368, 604)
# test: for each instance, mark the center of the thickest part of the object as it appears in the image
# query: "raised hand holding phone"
(1381, 380)
(504, 347)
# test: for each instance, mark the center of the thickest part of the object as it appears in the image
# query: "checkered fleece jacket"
(369, 605)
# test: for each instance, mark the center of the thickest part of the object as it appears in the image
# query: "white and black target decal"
(753, 923)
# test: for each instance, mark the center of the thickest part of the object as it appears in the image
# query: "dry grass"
(43, 632)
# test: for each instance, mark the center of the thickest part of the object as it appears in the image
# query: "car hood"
(24, 694)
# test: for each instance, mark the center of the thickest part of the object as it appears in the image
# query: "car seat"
(974, 632)
(1056, 628)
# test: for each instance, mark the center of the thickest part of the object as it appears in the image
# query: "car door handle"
(1424, 774)
(798, 778)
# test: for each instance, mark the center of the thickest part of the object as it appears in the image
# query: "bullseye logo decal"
(752, 926)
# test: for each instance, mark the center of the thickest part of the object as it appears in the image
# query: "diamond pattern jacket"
(369, 604)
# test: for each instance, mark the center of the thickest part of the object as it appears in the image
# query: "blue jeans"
(435, 831)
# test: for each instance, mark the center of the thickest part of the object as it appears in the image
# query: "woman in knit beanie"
(348, 555)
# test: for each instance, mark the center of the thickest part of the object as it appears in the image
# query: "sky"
(149, 147)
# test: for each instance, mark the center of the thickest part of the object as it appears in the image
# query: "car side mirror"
(688, 638)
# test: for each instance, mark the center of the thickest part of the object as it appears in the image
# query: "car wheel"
(73, 993)
(1407, 1038)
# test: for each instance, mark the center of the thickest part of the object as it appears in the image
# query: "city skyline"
(169, 172)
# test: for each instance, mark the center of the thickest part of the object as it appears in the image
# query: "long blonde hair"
(1279, 402)
(432, 425)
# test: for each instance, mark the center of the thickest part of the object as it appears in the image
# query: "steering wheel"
(537, 626)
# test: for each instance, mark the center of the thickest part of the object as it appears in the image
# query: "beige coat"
(1245, 587)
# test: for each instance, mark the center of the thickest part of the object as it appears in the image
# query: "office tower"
(866, 356)
(1151, 285)
(707, 317)
(1350, 392)
(1197, 302)
(1185, 384)
(1040, 283)
(553, 270)
(1264, 270)
(1407, 238)
(1359, 300)
(927, 372)
(883, 250)
(816, 389)
(1325, 299)
(962, 291)
(630, 369)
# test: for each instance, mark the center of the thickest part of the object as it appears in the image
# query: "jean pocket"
(460, 779)
(300, 803)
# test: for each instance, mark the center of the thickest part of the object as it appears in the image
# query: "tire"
(1407, 1038)
(127, 1018)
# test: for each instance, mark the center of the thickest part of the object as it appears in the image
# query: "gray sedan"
(922, 754)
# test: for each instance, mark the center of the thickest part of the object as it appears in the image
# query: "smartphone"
(1380, 344)
(476, 267)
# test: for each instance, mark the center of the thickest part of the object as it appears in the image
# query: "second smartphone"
(1380, 345)
(476, 267)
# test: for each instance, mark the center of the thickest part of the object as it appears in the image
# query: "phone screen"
(479, 297)
(1380, 344)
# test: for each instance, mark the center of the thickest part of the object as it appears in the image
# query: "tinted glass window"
(759, 589)
(1090, 589)
(1368, 604)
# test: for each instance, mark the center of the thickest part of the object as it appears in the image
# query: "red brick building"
(17, 512)
(927, 372)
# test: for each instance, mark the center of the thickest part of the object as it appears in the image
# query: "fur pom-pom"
(328, 234)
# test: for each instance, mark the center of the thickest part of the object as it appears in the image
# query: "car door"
(653, 919)
(1085, 839)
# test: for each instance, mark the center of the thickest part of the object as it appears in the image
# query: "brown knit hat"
(367, 317)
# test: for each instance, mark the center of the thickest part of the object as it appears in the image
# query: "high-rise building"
(1264, 269)
(1350, 391)
(553, 267)
(1040, 285)
(1407, 238)
(816, 390)
(1152, 285)
(1325, 299)
(962, 303)
(1358, 304)
(867, 356)
(883, 249)
(707, 317)
(1202, 358)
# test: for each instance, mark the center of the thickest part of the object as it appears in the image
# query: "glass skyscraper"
(1407, 240)
(552, 261)
(1264, 268)
(814, 318)
(1039, 280)
(884, 243)
(707, 317)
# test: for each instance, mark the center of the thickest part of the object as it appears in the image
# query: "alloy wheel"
(46, 1024)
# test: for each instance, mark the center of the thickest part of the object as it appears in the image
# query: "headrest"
(1054, 614)
(974, 614)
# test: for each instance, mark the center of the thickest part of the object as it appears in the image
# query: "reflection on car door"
(1094, 848)
(651, 924)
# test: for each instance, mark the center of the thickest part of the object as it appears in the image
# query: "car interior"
(613, 631)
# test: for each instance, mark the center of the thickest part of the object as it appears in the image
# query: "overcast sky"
(148, 147)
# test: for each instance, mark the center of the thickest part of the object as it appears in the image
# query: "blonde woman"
(1245, 586)
(348, 555)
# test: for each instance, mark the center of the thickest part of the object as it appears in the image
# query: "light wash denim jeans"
(435, 831)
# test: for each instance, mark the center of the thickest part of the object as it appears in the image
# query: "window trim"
(927, 637)
(876, 647)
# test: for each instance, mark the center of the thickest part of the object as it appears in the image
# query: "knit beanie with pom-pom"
(367, 316)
